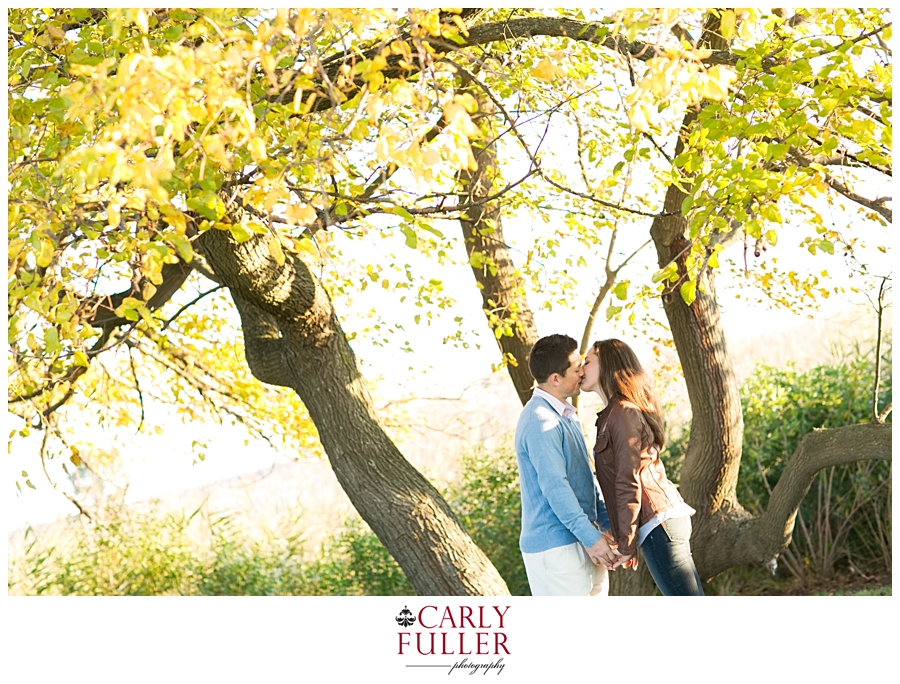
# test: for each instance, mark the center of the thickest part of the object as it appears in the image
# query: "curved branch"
(822, 449)
(767, 535)
(263, 345)
(105, 316)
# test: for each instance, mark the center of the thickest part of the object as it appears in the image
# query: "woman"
(645, 509)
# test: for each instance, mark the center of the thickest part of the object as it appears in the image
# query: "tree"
(149, 147)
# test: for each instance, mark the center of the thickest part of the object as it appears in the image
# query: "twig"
(880, 307)
(137, 386)
(53, 484)
(190, 304)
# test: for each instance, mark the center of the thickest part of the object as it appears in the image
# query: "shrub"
(355, 563)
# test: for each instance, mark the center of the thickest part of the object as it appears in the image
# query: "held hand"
(629, 561)
(602, 553)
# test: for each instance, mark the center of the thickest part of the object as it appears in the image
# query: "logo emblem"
(406, 618)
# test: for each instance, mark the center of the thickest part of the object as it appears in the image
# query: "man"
(564, 551)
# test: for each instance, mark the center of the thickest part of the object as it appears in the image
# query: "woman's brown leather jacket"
(631, 476)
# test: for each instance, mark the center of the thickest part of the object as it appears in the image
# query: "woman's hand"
(629, 561)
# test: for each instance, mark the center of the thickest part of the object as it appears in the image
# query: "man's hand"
(602, 553)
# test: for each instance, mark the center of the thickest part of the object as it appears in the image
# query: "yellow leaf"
(545, 70)
(113, 216)
(640, 116)
(276, 251)
(432, 23)
(467, 101)
(46, 254)
(257, 149)
(148, 291)
(142, 21)
(305, 245)
(81, 359)
(214, 146)
(56, 33)
(301, 214)
(726, 27)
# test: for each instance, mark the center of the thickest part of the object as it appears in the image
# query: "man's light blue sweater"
(559, 497)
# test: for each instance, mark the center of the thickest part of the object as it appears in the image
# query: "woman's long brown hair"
(621, 373)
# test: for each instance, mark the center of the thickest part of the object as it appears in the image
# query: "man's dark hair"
(550, 355)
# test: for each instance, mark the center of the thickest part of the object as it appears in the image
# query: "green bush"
(138, 554)
(355, 563)
(148, 552)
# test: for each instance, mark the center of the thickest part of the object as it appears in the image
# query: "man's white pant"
(565, 571)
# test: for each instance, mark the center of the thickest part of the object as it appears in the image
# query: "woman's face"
(591, 369)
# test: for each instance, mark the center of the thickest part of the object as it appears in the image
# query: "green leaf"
(208, 205)
(689, 292)
(412, 239)
(51, 340)
(621, 290)
(670, 272)
(184, 247)
(401, 212)
(612, 311)
(239, 232)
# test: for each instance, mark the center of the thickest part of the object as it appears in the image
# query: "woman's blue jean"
(667, 552)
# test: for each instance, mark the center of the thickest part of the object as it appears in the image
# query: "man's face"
(569, 385)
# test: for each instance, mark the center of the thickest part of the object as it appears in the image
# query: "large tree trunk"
(501, 285)
(294, 339)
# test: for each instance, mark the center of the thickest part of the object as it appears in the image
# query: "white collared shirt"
(563, 408)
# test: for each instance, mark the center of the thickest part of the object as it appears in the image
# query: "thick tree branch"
(818, 450)
(263, 345)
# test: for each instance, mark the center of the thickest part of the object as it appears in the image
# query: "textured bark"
(293, 338)
(502, 287)
(712, 461)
